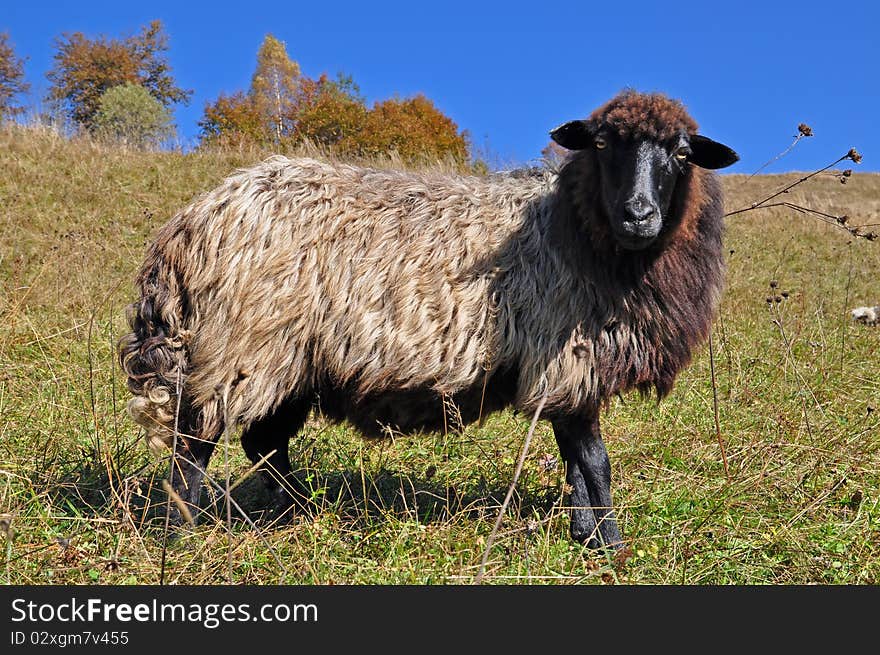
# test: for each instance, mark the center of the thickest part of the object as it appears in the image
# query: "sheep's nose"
(640, 210)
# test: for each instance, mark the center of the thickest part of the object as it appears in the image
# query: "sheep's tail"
(155, 355)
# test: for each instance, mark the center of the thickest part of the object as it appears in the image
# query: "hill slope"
(796, 382)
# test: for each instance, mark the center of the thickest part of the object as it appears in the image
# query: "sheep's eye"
(682, 153)
(600, 143)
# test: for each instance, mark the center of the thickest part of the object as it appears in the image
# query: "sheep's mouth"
(637, 235)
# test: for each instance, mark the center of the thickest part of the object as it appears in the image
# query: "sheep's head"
(642, 144)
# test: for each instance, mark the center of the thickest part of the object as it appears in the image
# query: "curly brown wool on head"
(637, 115)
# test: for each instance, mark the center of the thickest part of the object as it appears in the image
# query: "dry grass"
(797, 386)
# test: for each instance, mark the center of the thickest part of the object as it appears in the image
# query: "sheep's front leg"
(188, 466)
(588, 472)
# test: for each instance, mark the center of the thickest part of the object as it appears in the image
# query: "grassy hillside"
(796, 381)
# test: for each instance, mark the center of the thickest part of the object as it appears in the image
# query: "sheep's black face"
(636, 181)
(638, 176)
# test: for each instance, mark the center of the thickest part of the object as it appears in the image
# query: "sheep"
(383, 297)
(867, 315)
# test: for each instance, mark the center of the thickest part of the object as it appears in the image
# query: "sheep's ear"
(707, 153)
(573, 135)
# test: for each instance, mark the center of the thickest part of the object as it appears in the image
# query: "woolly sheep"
(381, 297)
(866, 315)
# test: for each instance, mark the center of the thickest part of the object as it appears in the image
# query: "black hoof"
(594, 543)
(288, 502)
(598, 539)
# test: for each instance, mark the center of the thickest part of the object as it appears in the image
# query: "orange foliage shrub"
(284, 107)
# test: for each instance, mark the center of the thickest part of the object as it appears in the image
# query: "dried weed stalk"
(841, 221)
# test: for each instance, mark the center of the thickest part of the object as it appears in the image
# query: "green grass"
(796, 380)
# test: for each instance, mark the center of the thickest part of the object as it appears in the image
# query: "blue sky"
(509, 72)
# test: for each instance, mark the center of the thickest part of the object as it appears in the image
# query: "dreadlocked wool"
(297, 277)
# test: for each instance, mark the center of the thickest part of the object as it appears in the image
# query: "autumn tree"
(85, 68)
(328, 112)
(233, 120)
(274, 87)
(412, 127)
(265, 115)
(11, 79)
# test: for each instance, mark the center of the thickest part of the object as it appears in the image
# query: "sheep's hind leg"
(268, 438)
(589, 475)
